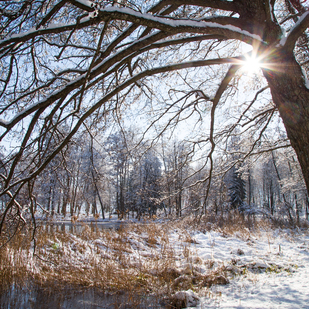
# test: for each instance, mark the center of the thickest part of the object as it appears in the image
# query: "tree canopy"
(73, 65)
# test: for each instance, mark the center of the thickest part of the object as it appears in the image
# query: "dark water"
(34, 296)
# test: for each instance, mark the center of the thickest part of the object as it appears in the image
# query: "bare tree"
(73, 63)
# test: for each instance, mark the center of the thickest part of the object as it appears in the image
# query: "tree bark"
(291, 97)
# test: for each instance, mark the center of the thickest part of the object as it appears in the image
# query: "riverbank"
(176, 263)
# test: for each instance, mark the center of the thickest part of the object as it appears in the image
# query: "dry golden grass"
(14, 261)
(137, 259)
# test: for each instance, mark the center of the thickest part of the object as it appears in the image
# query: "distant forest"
(113, 175)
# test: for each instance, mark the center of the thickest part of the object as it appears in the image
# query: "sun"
(251, 65)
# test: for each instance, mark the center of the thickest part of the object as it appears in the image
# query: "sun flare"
(252, 65)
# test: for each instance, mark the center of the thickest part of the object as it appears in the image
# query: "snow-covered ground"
(264, 268)
(273, 269)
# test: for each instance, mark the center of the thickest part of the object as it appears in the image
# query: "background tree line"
(98, 176)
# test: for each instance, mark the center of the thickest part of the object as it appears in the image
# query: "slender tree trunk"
(291, 96)
(75, 187)
(94, 208)
(307, 207)
(249, 187)
(49, 198)
(100, 200)
(271, 197)
(53, 205)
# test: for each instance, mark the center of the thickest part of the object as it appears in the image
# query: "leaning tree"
(77, 64)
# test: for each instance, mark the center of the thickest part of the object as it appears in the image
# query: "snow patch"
(85, 2)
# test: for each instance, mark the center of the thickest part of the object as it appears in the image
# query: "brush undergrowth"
(137, 259)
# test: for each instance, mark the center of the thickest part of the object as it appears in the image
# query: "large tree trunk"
(291, 96)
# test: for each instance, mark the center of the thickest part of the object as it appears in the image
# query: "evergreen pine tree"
(237, 191)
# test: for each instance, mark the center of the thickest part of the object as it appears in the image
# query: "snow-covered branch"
(288, 42)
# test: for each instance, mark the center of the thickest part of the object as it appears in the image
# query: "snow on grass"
(207, 267)
(270, 269)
